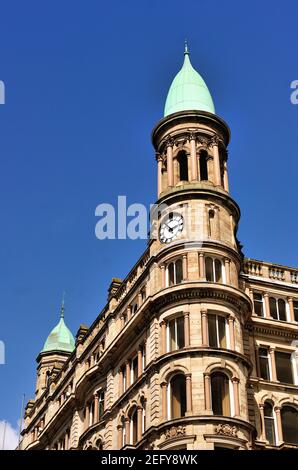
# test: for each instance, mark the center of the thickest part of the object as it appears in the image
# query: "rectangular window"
(283, 367)
(264, 364)
(176, 330)
(217, 331)
(134, 369)
(295, 305)
(258, 304)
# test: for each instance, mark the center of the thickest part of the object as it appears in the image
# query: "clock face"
(171, 228)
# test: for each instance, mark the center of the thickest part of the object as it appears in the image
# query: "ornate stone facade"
(191, 350)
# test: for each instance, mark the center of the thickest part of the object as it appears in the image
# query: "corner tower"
(58, 346)
(203, 307)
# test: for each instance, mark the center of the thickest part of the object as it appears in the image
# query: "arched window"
(289, 421)
(134, 427)
(203, 165)
(277, 308)
(220, 394)
(177, 396)
(269, 423)
(213, 270)
(183, 166)
(174, 273)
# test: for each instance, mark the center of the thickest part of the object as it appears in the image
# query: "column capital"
(169, 141)
(204, 311)
(261, 405)
(272, 349)
(235, 380)
(186, 314)
(277, 409)
(265, 294)
(163, 384)
(158, 157)
(188, 376)
(207, 375)
(290, 299)
(192, 135)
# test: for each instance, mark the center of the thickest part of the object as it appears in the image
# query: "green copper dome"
(60, 338)
(188, 91)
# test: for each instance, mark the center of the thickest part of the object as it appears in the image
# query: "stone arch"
(268, 396)
(290, 401)
(170, 371)
(218, 366)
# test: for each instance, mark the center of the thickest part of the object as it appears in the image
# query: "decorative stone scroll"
(175, 432)
(226, 430)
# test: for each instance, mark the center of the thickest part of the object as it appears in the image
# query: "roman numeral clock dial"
(171, 228)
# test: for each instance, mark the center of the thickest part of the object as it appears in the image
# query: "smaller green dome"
(188, 91)
(60, 338)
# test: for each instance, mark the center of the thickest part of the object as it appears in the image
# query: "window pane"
(218, 272)
(289, 419)
(273, 309)
(282, 309)
(178, 395)
(295, 304)
(220, 394)
(135, 369)
(264, 365)
(180, 332)
(283, 367)
(173, 344)
(209, 269)
(269, 423)
(179, 274)
(258, 304)
(171, 274)
(221, 331)
(212, 331)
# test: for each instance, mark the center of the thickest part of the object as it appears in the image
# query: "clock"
(170, 228)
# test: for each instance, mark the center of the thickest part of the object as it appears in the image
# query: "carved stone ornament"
(226, 430)
(175, 432)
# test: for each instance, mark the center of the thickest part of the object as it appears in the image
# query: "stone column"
(186, 329)
(119, 438)
(273, 365)
(193, 157)
(279, 425)
(262, 436)
(122, 323)
(205, 341)
(291, 308)
(127, 365)
(188, 394)
(87, 416)
(164, 400)
(227, 271)
(127, 431)
(128, 313)
(267, 306)
(184, 267)
(232, 332)
(163, 276)
(96, 409)
(207, 392)
(159, 174)
(170, 163)
(140, 362)
(163, 326)
(226, 179)
(91, 360)
(202, 267)
(216, 162)
(121, 382)
(235, 382)
(139, 423)
(139, 299)
(251, 296)
(66, 441)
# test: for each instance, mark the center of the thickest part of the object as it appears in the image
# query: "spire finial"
(62, 306)
(186, 51)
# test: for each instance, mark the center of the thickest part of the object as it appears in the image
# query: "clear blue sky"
(85, 84)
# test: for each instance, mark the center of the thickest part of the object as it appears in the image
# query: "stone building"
(197, 347)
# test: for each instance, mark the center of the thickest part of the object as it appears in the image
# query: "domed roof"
(188, 91)
(60, 338)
